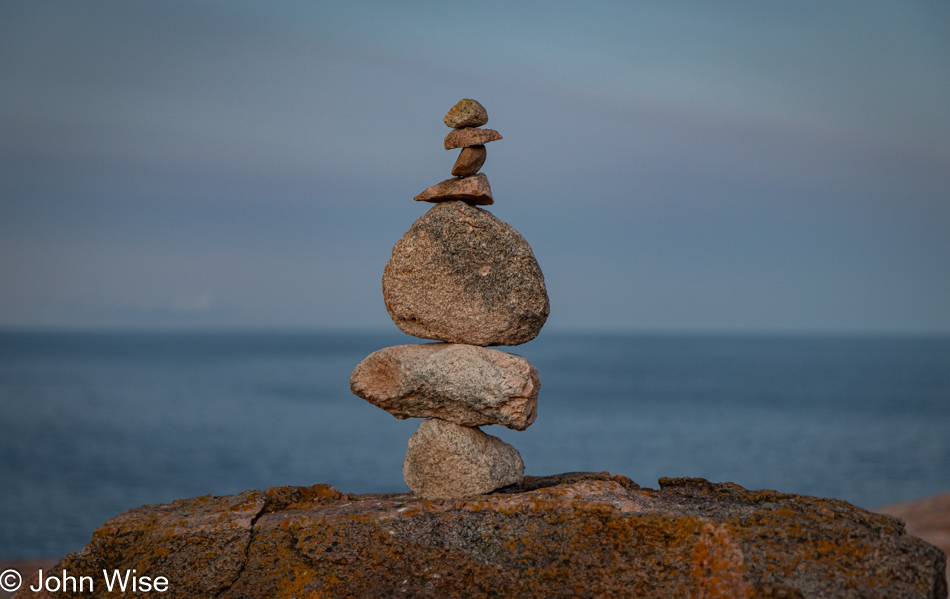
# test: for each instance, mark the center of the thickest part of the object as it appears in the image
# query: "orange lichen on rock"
(572, 535)
(718, 565)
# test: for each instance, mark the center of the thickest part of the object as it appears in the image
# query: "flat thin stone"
(447, 461)
(470, 136)
(463, 276)
(464, 384)
(470, 160)
(466, 113)
(473, 190)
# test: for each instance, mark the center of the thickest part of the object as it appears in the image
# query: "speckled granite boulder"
(572, 535)
(463, 276)
(464, 384)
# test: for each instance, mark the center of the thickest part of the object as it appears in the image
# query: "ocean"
(94, 424)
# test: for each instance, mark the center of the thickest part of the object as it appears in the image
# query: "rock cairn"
(467, 280)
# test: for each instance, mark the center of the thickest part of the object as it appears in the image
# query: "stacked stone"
(467, 280)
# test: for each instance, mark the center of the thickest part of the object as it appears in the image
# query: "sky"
(736, 166)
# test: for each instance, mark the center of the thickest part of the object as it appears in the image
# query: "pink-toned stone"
(448, 461)
(469, 161)
(470, 136)
(464, 384)
(466, 113)
(463, 276)
(473, 190)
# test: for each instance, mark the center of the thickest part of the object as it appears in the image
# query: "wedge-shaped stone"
(470, 136)
(463, 276)
(473, 190)
(470, 160)
(447, 461)
(466, 113)
(464, 384)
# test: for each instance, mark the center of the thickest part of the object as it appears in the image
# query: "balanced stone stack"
(467, 280)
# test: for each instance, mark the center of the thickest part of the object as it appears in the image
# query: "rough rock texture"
(200, 544)
(473, 190)
(927, 518)
(464, 384)
(470, 136)
(466, 113)
(463, 276)
(469, 161)
(577, 535)
(448, 461)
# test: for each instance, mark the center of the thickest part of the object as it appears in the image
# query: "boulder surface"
(464, 384)
(927, 518)
(570, 535)
(463, 276)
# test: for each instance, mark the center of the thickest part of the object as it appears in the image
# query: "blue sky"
(683, 167)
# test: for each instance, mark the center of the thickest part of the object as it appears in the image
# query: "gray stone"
(470, 136)
(464, 384)
(446, 461)
(466, 113)
(470, 160)
(473, 190)
(463, 276)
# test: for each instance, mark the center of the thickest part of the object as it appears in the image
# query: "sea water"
(94, 424)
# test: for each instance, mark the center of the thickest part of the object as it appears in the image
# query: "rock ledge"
(570, 535)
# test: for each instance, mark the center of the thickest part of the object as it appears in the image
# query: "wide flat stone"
(466, 113)
(470, 160)
(447, 461)
(473, 190)
(464, 384)
(461, 275)
(470, 136)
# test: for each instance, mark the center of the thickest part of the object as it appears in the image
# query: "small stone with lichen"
(466, 113)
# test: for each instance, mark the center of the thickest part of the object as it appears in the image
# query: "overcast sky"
(677, 166)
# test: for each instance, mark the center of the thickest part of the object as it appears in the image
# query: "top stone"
(466, 113)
